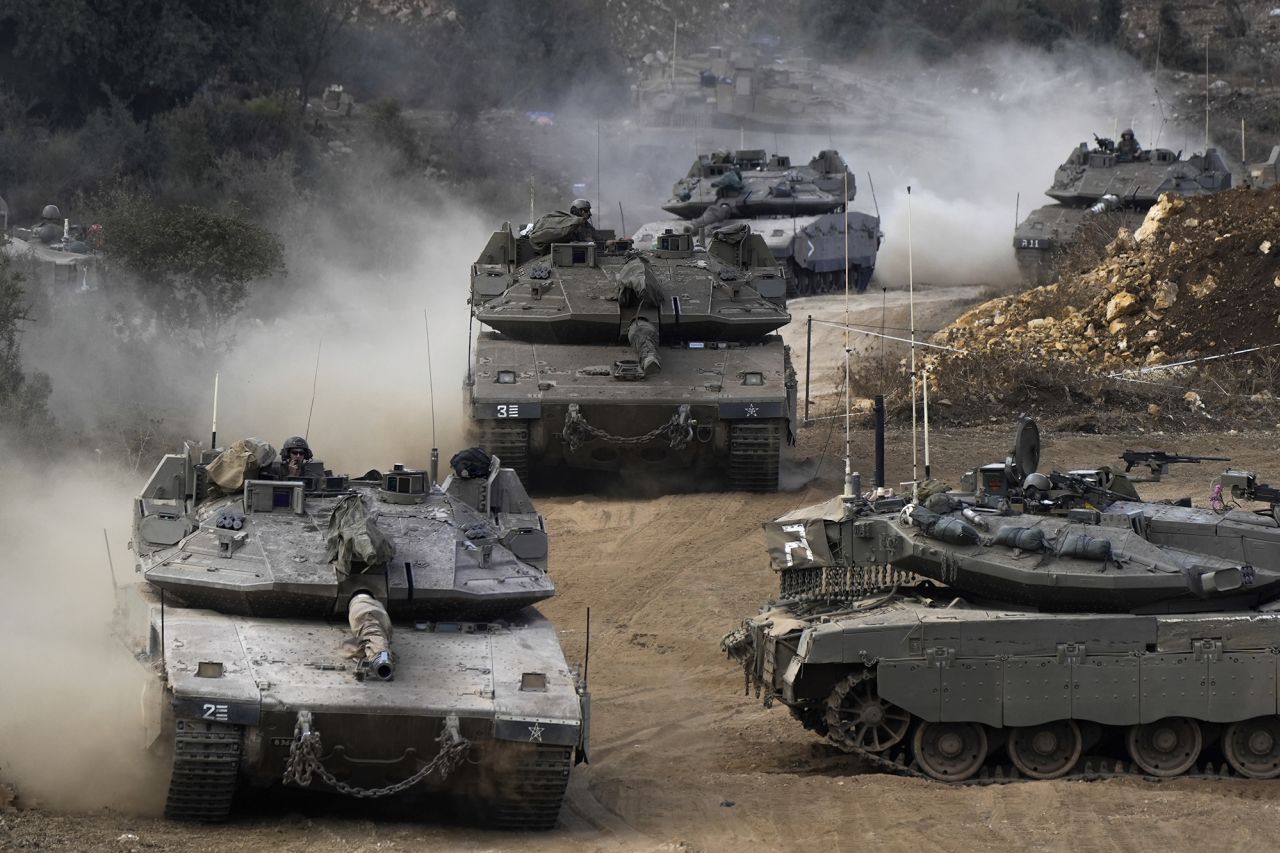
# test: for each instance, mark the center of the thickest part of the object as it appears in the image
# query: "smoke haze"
(70, 710)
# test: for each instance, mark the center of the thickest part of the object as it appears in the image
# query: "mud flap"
(583, 753)
(153, 706)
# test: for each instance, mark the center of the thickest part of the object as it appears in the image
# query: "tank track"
(755, 448)
(807, 283)
(206, 763)
(899, 760)
(509, 441)
(530, 794)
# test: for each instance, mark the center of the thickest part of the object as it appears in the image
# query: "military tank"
(370, 636)
(1034, 626)
(799, 210)
(1118, 183)
(599, 356)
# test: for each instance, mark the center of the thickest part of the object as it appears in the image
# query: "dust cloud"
(369, 324)
(70, 707)
(977, 139)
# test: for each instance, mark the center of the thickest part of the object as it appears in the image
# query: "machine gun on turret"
(1158, 462)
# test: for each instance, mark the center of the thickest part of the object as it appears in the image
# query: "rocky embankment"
(1199, 279)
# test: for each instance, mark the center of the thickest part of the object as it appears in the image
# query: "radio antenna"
(315, 379)
(622, 216)
(213, 437)
(1206, 93)
(431, 384)
(911, 302)
(848, 453)
(598, 172)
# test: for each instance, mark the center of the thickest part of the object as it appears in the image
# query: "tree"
(193, 265)
(68, 57)
(307, 33)
(24, 400)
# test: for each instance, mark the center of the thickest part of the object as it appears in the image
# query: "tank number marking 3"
(802, 544)
(212, 711)
(508, 410)
(1031, 243)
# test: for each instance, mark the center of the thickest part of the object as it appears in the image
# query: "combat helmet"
(580, 207)
(295, 441)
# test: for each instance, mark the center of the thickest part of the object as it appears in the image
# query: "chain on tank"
(306, 749)
(840, 583)
(678, 430)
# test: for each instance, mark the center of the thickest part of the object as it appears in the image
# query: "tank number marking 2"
(214, 712)
(1028, 243)
(508, 410)
(801, 545)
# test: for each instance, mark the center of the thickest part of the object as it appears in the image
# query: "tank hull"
(810, 250)
(570, 412)
(936, 664)
(234, 687)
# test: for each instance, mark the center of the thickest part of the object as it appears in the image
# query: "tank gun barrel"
(1110, 201)
(371, 625)
(643, 337)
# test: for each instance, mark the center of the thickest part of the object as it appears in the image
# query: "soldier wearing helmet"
(584, 231)
(294, 454)
(1128, 149)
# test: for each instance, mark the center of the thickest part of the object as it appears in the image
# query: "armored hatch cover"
(276, 563)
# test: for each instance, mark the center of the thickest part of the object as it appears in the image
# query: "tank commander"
(560, 227)
(1128, 149)
(293, 456)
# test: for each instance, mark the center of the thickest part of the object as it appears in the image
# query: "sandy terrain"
(682, 760)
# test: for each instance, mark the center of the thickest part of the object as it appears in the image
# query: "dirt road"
(681, 759)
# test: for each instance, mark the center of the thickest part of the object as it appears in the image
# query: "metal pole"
(110, 562)
(879, 441)
(808, 363)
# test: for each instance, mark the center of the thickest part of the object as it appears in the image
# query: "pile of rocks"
(1200, 277)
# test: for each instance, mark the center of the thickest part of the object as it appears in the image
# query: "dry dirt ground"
(682, 760)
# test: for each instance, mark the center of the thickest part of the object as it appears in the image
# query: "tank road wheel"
(1166, 747)
(509, 441)
(950, 752)
(755, 448)
(858, 719)
(1046, 751)
(206, 762)
(1252, 747)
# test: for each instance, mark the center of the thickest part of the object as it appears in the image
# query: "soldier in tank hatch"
(293, 456)
(1128, 149)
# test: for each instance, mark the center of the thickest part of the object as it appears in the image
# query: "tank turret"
(388, 614)
(801, 211)
(1119, 179)
(599, 355)
(1010, 629)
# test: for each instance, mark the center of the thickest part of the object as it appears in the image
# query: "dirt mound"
(1199, 278)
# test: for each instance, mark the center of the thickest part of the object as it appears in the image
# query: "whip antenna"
(314, 380)
(213, 437)
(431, 385)
(911, 303)
(848, 453)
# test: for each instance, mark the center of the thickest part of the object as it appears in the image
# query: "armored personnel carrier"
(599, 356)
(1034, 626)
(800, 211)
(1117, 181)
(370, 636)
